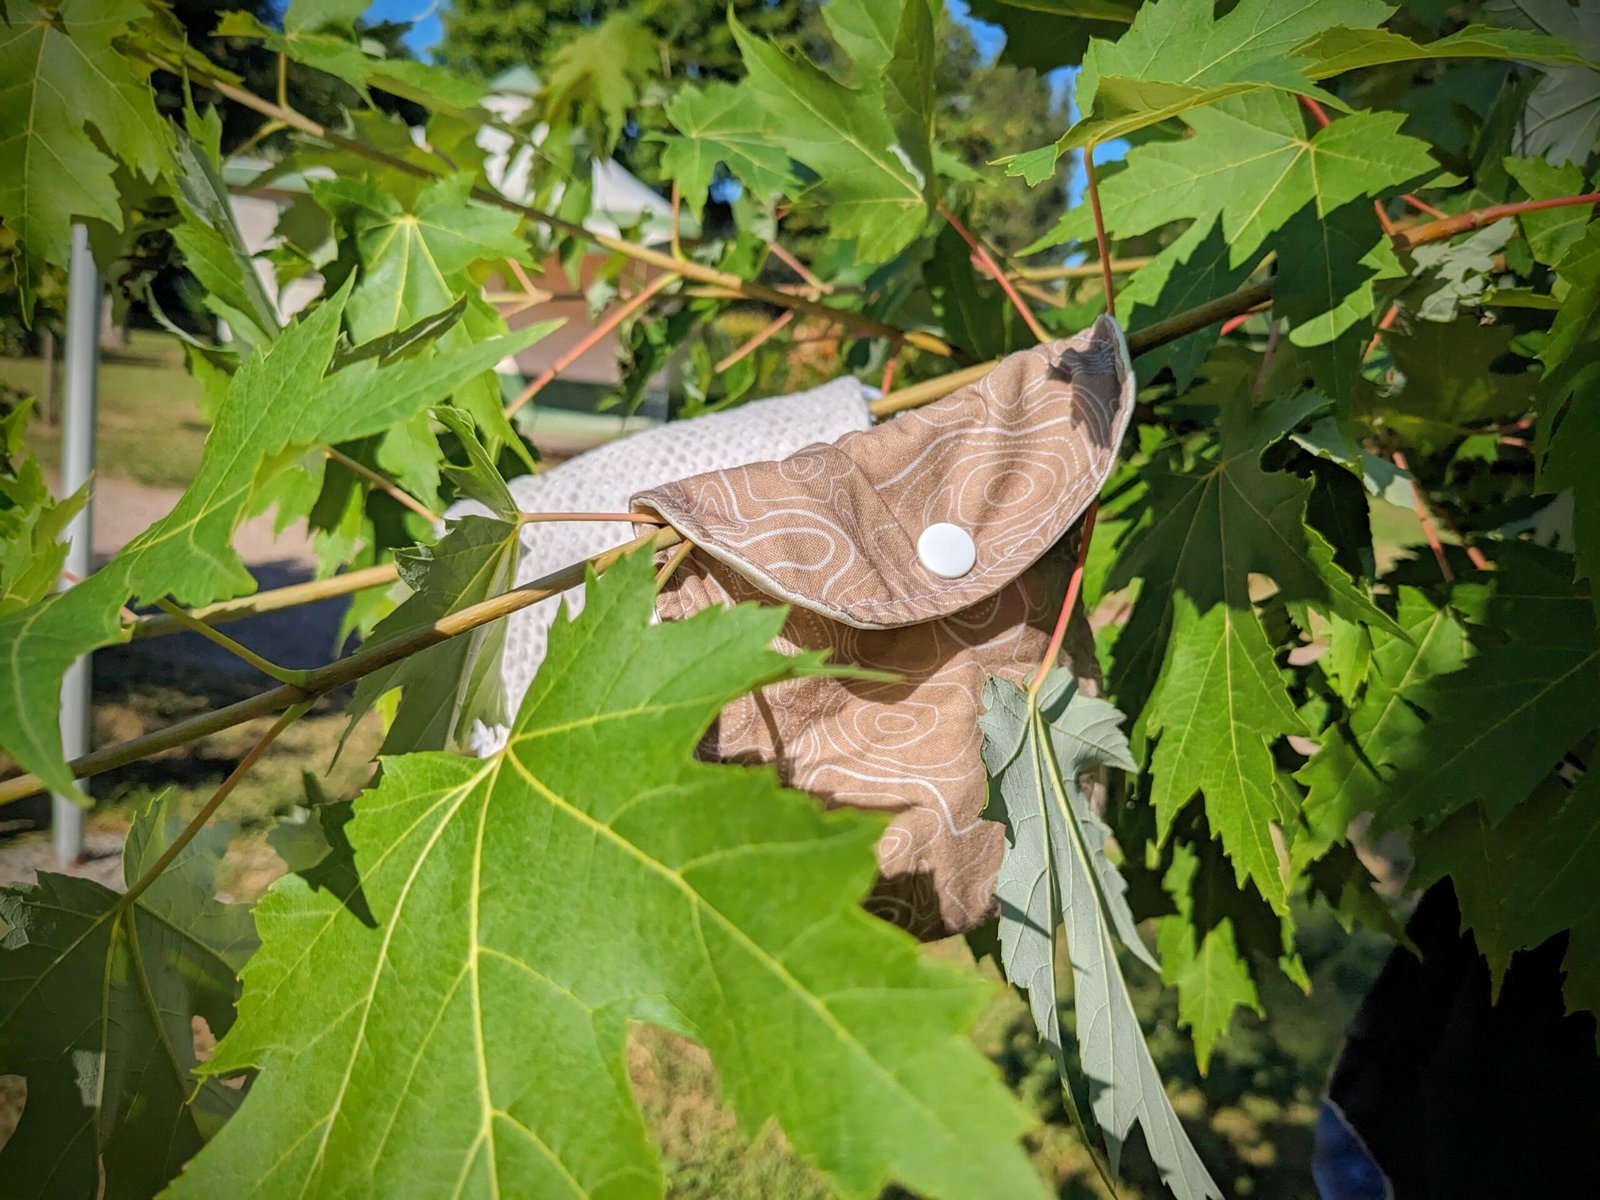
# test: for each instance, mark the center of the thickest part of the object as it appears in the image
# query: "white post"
(84, 302)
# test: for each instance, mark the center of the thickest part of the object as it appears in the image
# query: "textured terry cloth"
(603, 480)
(1014, 460)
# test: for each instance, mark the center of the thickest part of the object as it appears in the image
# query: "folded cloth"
(914, 548)
(604, 479)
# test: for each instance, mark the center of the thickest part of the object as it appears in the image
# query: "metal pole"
(84, 301)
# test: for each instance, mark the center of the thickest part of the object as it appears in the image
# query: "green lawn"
(150, 428)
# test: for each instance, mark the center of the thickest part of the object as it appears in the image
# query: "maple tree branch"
(674, 561)
(274, 600)
(342, 671)
(209, 809)
(1435, 231)
(864, 325)
(194, 625)
(387, 486)
(991, 268)
(799, 268)
(1419, 502)
(602, 328)
(770, 330)
(1140, 341)
(1094, 270)
(1074, 586)
(372, 658)
(632, 518)
(1102, 244)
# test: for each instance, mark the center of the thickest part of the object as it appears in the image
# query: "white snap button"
(946, 550)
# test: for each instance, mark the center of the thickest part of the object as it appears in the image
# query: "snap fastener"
(946, 550)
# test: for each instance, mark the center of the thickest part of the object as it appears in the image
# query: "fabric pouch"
(919, 547)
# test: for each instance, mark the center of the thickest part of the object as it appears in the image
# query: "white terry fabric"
(605, 480)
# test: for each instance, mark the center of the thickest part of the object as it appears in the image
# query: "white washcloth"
(605, 480)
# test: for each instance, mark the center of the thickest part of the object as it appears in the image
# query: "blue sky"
(425, 33)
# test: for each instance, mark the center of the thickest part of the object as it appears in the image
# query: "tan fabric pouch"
(839, 532)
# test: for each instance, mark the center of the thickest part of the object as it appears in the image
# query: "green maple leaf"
(1550, 233)
(32, 523)
(1251, 165)
(1201, 957)
(1045, 34)
(532, 905)
(1221, 703)
(1194, 267)
(1219, 707)
(213, 248)
(448, 687)
(316, 40)
(1526, 878)
(420, 258)
(846, 135)
(98, 993)
(1056, 874)
(716, 125)
(279, 404)
(1569, 394)
(311, 15)
(1497, 724)
(37, 645)
(415, 259)
(71, 107)
(1252, 180)
(1451, 380)
(593, 79)
(1347, 775)
(1177, 57)
(1562, 119)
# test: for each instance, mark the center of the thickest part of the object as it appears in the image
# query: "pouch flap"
(1011, 461)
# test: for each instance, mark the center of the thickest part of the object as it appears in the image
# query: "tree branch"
(1434, 231)
(344, 671)
(862, 324)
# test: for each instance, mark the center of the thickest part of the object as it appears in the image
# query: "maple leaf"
(278, 405)
(1251, 165)
(715, 125)
(1526, 878)
(532, 905)
(420, 258)
(98, 994)
(320, 37)
(71, 108)
(593, 79)
(213, 248)
(1569, 393)
(1200, 952)
(1495, 725)
(1562, 119)
(1178, 57)
(1056, 875)
(1044, 34)
(875, 192)
(1220, 701)
(1345, 777)
(1252, 181)
(449, 686)
(1451, 380)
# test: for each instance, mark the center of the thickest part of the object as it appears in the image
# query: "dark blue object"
(1341, 1164)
